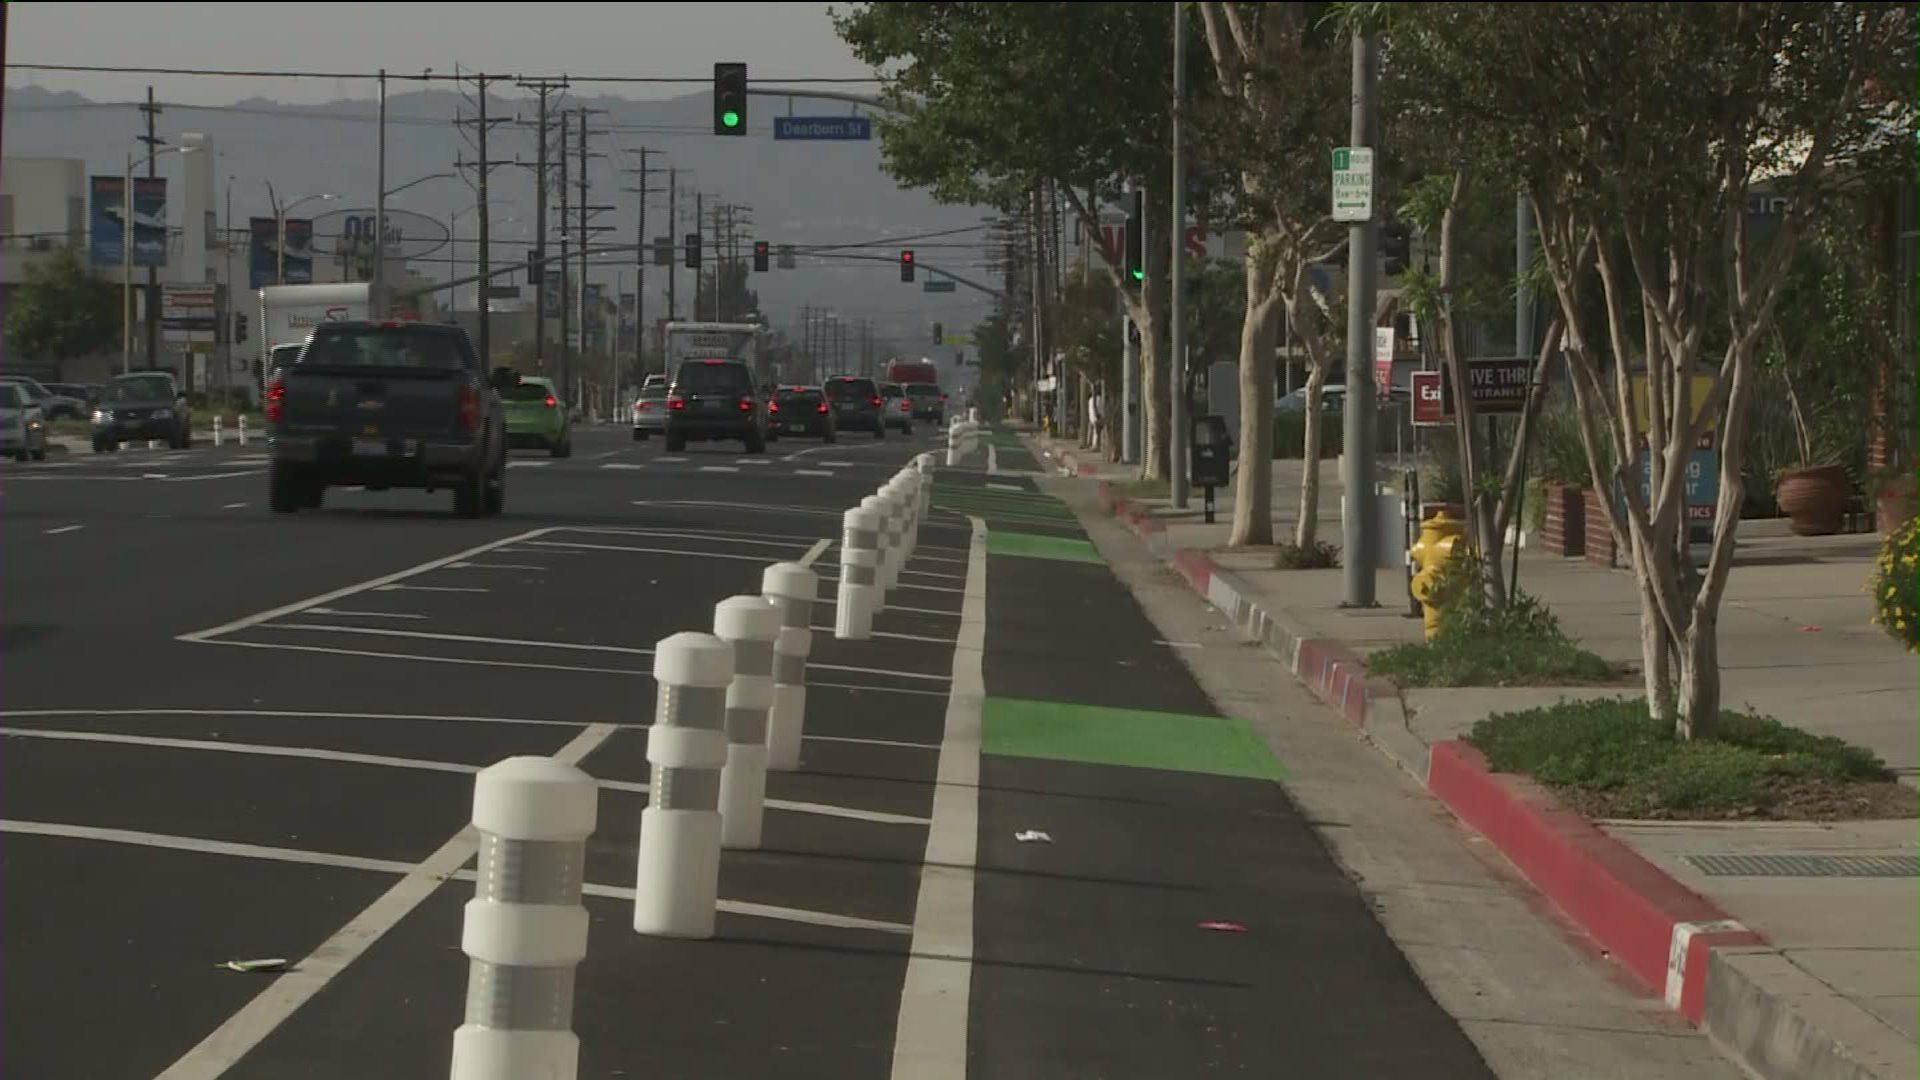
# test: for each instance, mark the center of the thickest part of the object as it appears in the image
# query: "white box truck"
(717, 341)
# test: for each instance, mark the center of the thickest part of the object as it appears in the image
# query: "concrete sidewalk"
(1791, 943)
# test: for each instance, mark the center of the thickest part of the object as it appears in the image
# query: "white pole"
(677, 888)
(795, 589)
(750, 624)
(240, 435)
(216, 430)
(859, 575)
(525, 931)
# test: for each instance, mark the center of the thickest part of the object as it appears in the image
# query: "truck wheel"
(495, 500)
(284, 495)
(564, 448)
(312, 494)
(469, 494)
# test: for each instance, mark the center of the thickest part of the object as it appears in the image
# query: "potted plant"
(1815, 490)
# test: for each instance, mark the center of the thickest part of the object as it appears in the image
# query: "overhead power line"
(425, 76)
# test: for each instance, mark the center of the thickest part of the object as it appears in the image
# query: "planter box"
(1565, 530)
(1599, 537)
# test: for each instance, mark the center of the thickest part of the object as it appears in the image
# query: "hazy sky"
(626, 39)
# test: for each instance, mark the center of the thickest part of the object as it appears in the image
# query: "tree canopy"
(61, 311)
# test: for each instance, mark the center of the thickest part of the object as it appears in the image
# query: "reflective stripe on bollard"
(859, 575)
(216, 432)
(677, 887)
(525, 930)
(749, 624)
(794, 589)
(888, 515)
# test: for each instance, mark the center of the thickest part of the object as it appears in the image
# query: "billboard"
(263, 260)
(108, 205)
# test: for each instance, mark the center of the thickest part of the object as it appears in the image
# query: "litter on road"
(246, 967)
(1033, 836)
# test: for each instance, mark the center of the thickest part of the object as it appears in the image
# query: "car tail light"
(773, 406)
(276, 398)
(676, 403)
(551, 402)
(746, 404)
(876, 403)
(644, 405)
(906, 405)
(823, 407)
(469, 408)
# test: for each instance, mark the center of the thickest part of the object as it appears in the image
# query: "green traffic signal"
(1139, 275)
(730, 118)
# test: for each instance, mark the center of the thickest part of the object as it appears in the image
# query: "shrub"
(1320, 556)
(1896, 586)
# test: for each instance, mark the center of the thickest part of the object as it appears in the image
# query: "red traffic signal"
(906, 265)
(761, 253)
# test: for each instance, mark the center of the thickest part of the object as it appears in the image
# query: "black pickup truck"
(387, 405)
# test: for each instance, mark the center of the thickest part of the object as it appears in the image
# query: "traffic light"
(761, 251)
(663, 251)
(939, 334)
(906, 266)
(1136, 238)
(729, 99)
(1396, 248)
(239, 327)
(533, 266)
(692, 242)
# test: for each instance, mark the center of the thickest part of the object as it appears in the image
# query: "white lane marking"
(818, 918)
(350, 590)
(839, 464)
(234, 506)
(663, 551)
(720, 468)
(814, 665)
(281, 714)
(930, 1038)
(65, 529)
(829, 577)
(1006, 487)
(1179, 644)
(873, 742)
(818, 549)
(211, 476)
(671, 460)
(627, 465)
(607, 454)
(689, 532)
(753, 461)
(830, 448)
(252, 459)
(664, 534)
(528, 464)
(813, 472)
(993, 460)
(493, 566)
(817, 685)
(948, 642)
(153, 476)
(470, 639)
(634, 787)
(429, 588)
(423, 658)
(363, 614)
(284, 996)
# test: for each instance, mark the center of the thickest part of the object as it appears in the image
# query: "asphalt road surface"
(233, 735)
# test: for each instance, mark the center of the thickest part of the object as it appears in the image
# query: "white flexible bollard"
(216, 431)
(953, 444)
(525, 930)
(677, 889)
(859, 575)
(973, 414)
(240, 429)
(750, 624)
(888, 514)
(909, 501)
(794, 589)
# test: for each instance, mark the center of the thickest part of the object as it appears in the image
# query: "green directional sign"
(940, 285)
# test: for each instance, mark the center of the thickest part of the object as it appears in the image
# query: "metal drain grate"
(1850, 866)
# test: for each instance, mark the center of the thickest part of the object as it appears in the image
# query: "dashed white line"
(1006, 487)
(428, 588)
(752, 461)
(235, 506)
(493, 566)
(468, 639)
(813, 472)
(528, 464)
(720, 468)
(363, 614)
(623, 465)
(671, 460)
(65, 529)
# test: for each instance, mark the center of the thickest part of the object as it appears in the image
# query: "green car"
(537, 418)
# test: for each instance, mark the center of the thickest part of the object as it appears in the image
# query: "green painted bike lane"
(1162, 817)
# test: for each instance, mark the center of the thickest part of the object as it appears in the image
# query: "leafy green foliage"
(1318, 555)
(62, 311)
(1614, 757)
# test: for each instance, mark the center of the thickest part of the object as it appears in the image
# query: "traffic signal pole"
(1177, 465)
(1360, 523)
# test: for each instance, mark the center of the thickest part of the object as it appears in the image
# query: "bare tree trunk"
(1697, 711)
(1656, 650)
(1306, 531)
(1253, 488)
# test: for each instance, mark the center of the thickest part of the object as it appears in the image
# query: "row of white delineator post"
(730, 705)
(963, 437)
(219, 431)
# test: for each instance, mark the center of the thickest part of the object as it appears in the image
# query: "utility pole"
(1035, 279)
(1361, 523)
(544, 88)
(586, 213)
(673, 230)
(482, 124)
(379, 274)
(1176, 242)
(566, 310)
(699, 272)
(152, 319)
(640, 248)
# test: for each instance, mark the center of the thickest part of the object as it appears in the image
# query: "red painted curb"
(1337, 674)
(1196, 567)
(1629, 905)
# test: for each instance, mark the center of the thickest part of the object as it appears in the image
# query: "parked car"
(53, 406)
(23, 427)
(534, 417)
(856, 404)
(142, 405)
(650, 412)
(801, 410)
(896, 407)
(388, 405)
(714, 399)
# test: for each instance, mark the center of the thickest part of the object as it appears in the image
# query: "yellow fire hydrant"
(1438, 534)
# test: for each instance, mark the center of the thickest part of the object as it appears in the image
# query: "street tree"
(61, 311)
(1273, 122)
(989, 100)
(1640, 133)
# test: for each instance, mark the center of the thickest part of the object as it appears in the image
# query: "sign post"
(1352, 183)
